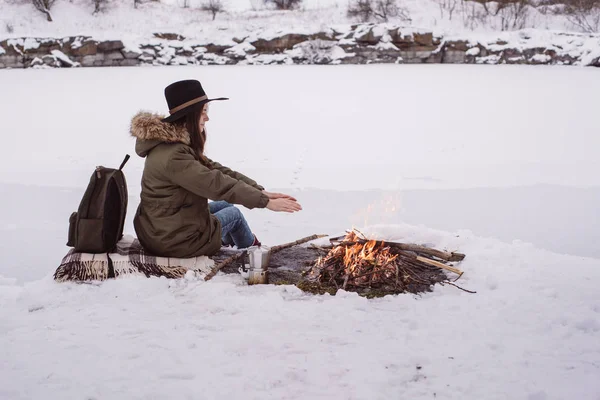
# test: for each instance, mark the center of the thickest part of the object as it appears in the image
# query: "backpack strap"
(124, 162)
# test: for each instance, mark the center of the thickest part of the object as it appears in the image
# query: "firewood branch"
(440, 265)
(222, 264)
(277, 248)
(274, 249)
(456, 286)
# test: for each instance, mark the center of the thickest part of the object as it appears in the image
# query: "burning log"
(442, 255)
(357, 264)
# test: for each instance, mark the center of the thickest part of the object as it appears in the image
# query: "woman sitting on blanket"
(174, 218)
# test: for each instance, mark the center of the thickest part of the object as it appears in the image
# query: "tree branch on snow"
(44, 6)
(214, 7)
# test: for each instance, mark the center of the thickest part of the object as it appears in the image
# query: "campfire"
(355, 263)
(372, 268)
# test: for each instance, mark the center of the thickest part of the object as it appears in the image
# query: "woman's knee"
(236, 214)
(217, 206)
(231, 217)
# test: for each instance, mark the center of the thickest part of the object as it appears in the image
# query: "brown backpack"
(98, 224)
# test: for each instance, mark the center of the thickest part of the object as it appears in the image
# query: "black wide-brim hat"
(182, 96)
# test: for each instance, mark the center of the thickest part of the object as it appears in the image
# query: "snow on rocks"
(356, 44)
(63, 59)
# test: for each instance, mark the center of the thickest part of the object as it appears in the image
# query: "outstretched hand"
(284, 204)
(273, 196)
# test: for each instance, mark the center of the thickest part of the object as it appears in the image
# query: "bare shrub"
(585, 14)
(9, 27)
(472, 14)
(514, 15)
(44, 6)
(98, 6)
(214, 7)
(284, 4)
(380, 10)
(447, 7)
(510, 14)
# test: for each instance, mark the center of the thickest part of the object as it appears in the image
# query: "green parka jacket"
(173, 219)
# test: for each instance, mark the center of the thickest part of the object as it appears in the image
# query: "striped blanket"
(129, 259)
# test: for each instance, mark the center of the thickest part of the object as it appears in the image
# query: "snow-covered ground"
(497, 162)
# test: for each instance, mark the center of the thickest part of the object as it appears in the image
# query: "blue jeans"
(234, 228)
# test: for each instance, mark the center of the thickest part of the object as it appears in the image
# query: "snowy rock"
(115, 55)
(128, 62)
(179, 60)
(368, 36)
(241, 50)
(36, 63)
(540, 59)
(13, 46)
(424, 39)
(50, 61)
(278, 44)
(132, 55)
(165, 55)
(146, 58)
(216, 48)
(87, 48)
(454, 57)
(110, 45)
(268, 59)
(355, 44)
(210, 58)
(88, 61)
(63, 59)
(169, 36)
(474, 51)
(318, 52)
(491, 59)
(12, 61)
(30, 44)
(385, 46)
(176, 45)
(131, 50)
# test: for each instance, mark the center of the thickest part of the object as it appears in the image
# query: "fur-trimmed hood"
(150, 131)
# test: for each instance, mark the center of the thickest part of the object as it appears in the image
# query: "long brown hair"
(197, 137)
